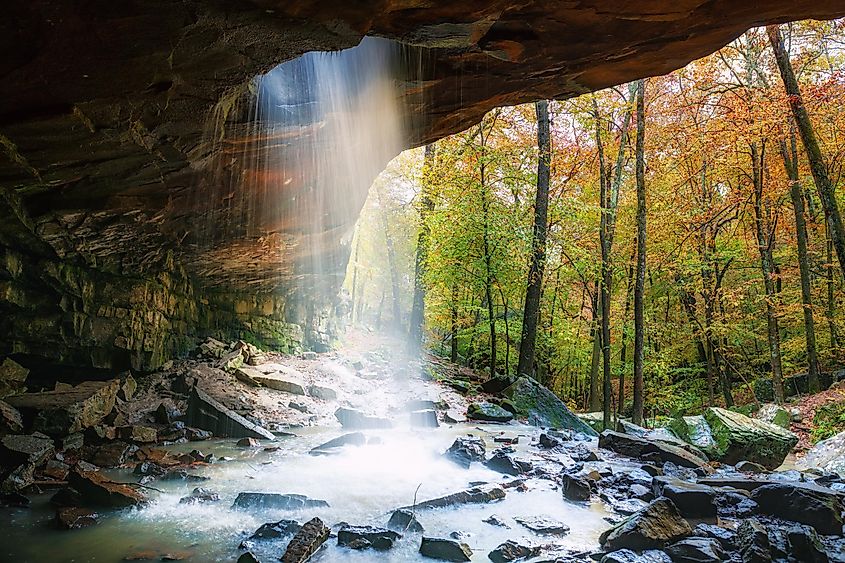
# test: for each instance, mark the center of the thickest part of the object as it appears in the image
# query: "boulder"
(774, 414)
(656, 525)
(10, 419)
(753, 542)
(697, 550)
(542, 407)
(828, 456)
(424, 419)
(334, 445)
(137, 433)
(475, 495)
(466, 449)
(208, 414)
(693, 430)
(640, 448)
(248, 443)
(403, 521)
(246, 375)
(543, 525)
(750, 467)
(62, 412)
(322, 393)
(12, 378)
(111, 454)
(496, 384)
(306, 542)
(276, 501)
(512, 551)
(97, 490)
(367, 537)
(350, 418)
(248, 557)
(815, 506)
(575, 488)
(445, 549)
(503, 462)
(73, 518)
(488, 412)
(725, 536)
(20, 454)
(805, 545)
(738, 437)
(273, 530)
(692, 500)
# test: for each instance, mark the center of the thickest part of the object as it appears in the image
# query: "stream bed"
(361, 484)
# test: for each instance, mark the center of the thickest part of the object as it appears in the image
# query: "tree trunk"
(831, 297)
(825, 187)
(595, 396)
(533, 293)
(765, 242)
(425, 208)
(488, 260)
(453, 355)
(623, 352)
(639, 283)
(391, 262)
(790, 162)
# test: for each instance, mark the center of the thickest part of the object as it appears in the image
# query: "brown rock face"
(121, 238)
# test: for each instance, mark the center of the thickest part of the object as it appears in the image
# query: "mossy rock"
(543, 408)
(740, 438)
(488, 412)
(594, 420)
(774, 414)
(694, 430)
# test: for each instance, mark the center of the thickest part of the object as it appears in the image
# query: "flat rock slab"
(277, 501)
(208, 414)
(693, 500)
(306, 542)
(69, 409)
(25, 448)
(640, 448)
(97, 490)
(281, 382)
(543, 525)
(280, 529)
(322, 393)
(475, 495)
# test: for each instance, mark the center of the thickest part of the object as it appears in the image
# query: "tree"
(426, 205)
(533, 293)
(639, 284)
(824, 186)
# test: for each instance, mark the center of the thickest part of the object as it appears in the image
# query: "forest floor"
(807, 405)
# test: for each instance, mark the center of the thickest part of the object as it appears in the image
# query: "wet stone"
(248, 557)
(248, 443)
(512, 551)
(306, 542)
(488, 412)
(97, 490)
(503, 462)
(575, 488)
(753, 542)
(404, 521)
(445, 549)
(476, 495)
(543, 525)
(66, 497)
(200, 495)
(280, 529)
(813, 505)
(14, 500)
(365, 537)
(73, 518)
(726, 537)
(334, 445)
(424, 419)
(350, 418)
(496, 520)
(466, 449)
(628, 556)
(654, 526)
(692, 500)
(696, 550)
(277, 501)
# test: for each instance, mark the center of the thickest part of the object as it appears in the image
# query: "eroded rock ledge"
(103, 109)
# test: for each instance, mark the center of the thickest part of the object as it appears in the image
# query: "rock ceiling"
(104, 106)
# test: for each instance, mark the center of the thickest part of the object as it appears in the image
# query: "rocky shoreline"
(667, 499)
